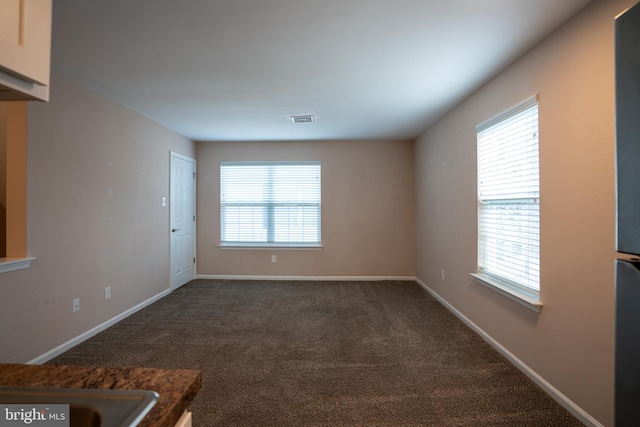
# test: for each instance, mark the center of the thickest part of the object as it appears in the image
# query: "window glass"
(270, 203)
(509, 197)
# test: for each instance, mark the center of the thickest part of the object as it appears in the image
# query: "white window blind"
(509, 197)
(270, 203)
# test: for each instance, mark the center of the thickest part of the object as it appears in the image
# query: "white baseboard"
(307, 278)
(86, 335)
(563, 400)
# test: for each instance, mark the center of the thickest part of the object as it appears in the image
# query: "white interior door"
(182, 220)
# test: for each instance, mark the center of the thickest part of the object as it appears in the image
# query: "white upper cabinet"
(25, 49)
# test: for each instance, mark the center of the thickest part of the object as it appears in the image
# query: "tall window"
(509, 198)
(270, 203)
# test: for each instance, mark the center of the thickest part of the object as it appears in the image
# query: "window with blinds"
(270, 203)
(509, 197)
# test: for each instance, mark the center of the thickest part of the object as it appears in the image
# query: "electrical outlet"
(107, 292)
(442, 274)
(274, 258)
(76, 305)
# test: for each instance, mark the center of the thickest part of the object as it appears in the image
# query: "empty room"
(290, 213)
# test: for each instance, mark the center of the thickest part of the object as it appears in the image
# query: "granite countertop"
(177, 388)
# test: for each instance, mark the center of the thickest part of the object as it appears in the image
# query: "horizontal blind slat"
(270, 202)
(508, 195)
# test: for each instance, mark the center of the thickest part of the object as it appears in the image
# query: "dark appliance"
(627, 266)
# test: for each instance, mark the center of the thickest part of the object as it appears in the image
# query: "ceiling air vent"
(304, 118)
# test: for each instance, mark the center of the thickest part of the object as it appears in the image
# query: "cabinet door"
(25, 39)
(185, 420)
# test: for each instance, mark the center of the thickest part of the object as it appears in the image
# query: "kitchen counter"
(177, 388)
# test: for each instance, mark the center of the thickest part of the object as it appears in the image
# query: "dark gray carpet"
(324, 354)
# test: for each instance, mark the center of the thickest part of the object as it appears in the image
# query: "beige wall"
(368, 224)
(3, 179)
(96, 175)
(13, 179)
(570, 343)
(16, 187)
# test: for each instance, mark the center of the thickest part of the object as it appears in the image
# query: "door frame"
(172, 155)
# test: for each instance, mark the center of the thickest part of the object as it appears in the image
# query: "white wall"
(96, 175)
(570, 343)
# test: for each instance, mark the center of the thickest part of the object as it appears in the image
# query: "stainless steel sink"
(88, 407)
(84, 416)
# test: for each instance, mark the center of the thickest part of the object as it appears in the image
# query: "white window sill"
(271, 246)
(529, 300)
(12, 264)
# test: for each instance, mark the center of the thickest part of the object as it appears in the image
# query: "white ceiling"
(229, 70)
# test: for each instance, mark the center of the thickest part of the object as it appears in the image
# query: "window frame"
(519, 292)
(270, 209)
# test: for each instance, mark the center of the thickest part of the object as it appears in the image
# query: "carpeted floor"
(324, 354)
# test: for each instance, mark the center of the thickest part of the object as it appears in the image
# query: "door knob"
(173, 230)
